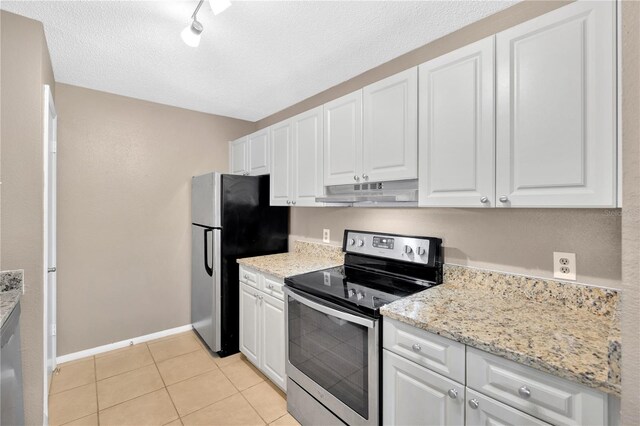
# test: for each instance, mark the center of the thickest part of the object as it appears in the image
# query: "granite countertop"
(305, 257)
(11, 283)
(565, 329)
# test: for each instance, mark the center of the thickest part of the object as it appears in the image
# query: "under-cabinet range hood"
(401, 193)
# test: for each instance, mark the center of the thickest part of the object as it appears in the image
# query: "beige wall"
(25, 68)
(124, 233)
(514, 240)
(631, 213)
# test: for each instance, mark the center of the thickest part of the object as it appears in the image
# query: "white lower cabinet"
(414, 395)
(483, 410)
(262, 324)
(490, 391)
(272, 344)
(249, 322)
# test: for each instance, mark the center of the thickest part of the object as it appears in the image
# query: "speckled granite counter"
(305, 257)
(11, 283)
(568, 330)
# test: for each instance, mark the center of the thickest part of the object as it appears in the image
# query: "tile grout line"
(166, 388)
(232, 384)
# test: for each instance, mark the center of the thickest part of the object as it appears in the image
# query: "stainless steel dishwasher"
(12, 410)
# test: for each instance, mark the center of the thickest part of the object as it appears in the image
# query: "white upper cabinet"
(556, 109)
(343, 139)
(457, 131)
(390, 128)
(249, 155)
(307, 157)
(238, 156)
(296, 162)
(281, 192)
(259, 153)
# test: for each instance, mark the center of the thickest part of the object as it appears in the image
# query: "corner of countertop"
(12, 280)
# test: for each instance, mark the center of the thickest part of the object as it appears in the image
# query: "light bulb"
(191, 34)
(219, 6)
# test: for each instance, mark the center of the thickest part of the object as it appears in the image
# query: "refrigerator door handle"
(208, 268)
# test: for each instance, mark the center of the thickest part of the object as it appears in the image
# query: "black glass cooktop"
(357, 289)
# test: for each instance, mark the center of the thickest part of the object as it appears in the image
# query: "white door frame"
(49, 253)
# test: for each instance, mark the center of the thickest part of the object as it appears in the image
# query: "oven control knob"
(421, 251)
(360, 243)
(351, 241)
(351, 292)
(408, 249)
(359, 296)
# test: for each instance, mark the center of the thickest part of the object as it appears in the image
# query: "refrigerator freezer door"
(205, 200)
(205, 284)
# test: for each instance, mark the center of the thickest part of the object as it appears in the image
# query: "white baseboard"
(122, 344)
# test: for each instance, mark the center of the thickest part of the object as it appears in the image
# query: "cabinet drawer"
(542, 395)
(272, 286)
(248, 276)
(487, 411)
(437, 353)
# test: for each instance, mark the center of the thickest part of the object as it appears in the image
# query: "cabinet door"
(272, 358)
(486, 411)
(259, 153)
(249, 317)
(390, 132)
(238, 157)
(281, 162)
(343, 140)
(457, 135)
(307, 155)
(414, 395)
(556, 109)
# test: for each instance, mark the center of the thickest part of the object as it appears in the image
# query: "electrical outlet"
(326, 236)
(564, 266)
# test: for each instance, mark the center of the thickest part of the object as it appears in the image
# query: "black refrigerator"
(230, 219)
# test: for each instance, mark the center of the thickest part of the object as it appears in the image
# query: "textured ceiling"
(254, 59)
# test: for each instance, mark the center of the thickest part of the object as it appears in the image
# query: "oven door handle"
(369, 323)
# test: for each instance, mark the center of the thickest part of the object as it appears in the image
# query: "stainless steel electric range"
(333, 329)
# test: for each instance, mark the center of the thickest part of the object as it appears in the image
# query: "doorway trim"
(50, 124)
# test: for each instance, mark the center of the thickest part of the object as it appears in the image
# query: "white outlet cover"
(561, 261)
(326, 236)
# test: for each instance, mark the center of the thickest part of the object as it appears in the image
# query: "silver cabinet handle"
(356, 178)
(416, 347)
(246, 277)
(52, 269)
(453, 394)
(484, 200)
(365, 177)
(293, 202)
(288, 202)
(504, 199)
(270, 286)
(474, 403)
(524, 392)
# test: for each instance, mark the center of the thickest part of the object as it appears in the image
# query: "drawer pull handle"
(524, 392)
(416, 347)
(474, 403)
(453, 394)
(270, 286)
(246, 277)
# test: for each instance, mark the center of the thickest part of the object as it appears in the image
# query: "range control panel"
(388, 246)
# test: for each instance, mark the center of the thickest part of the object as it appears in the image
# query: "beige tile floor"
(171, 381)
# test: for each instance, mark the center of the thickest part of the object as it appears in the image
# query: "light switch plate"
(326, 236)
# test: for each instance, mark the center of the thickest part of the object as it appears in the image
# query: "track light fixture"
(191, 34)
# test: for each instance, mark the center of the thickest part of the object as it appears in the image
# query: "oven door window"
(332, 352)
